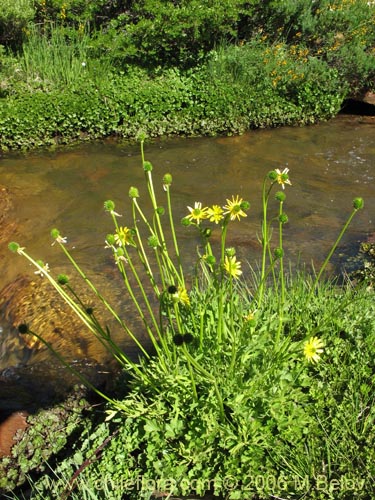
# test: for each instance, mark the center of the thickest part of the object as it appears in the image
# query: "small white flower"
(44, 269)
(60, 239)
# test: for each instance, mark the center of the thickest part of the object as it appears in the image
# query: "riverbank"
(188, 104)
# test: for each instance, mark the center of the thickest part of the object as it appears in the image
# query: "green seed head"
(120, 252)
(245, 205)
(358, 203)
(167, 180)
(110, 239)
(141, 136)
(231, 251)
(55, 233)
(280, 196)
(133, 192)
(185, 222)
(283, 218)
(147, 166)
(109, 205)
(153, 241)
(62, 279)
(13, 246)
(278, 253)
(272, 175)
(210, 259)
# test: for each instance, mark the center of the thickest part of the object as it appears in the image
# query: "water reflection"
(329, 164)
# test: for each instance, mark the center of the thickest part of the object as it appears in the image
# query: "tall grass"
(54, 58)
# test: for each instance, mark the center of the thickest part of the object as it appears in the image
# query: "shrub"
(15, 15)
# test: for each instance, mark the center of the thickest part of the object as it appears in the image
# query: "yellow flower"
(215, 213)
(232, 266)
(181, 296)
(124, 236)
(197, 213)
(312, 349)
(283, 177)
(234, 208)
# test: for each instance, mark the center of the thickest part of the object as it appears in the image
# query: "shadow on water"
(329, 164)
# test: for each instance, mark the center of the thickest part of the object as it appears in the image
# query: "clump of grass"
(57, 58)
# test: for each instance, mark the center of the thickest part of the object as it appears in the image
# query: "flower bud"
(278, 253)
(167, 180)
(110, 239)
(358, 203)
(272, 175)
(160, 210)
(245, 205)
(210, 259)
(280, 196)
(231, 251)
(55, 233)
(153, 241)
(283, 218)
(141, 136)
(13, 246)
(62, 279)
(133, 192)
(120, 252)
(147, 166)
(185, 221)
(109, 205)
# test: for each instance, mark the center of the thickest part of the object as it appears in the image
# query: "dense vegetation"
(259, 384)
(74, 69)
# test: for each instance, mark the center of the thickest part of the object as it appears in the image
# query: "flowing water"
(330, 164)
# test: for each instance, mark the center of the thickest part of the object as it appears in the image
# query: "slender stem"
(328, 258)
(220, 283)
(171, 222)
(281, 275)
(265, 238)
(102, 299)
(282, 280)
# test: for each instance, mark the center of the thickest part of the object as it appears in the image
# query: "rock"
(9, 428)
(369, 98)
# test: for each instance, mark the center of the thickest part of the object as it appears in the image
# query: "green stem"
(265, 238)
(177, 250)
(102, 299)
(328, 258)
(281, 274)
(220, 283)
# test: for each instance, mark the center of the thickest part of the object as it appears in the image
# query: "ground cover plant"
(75, 70)
(258, 381)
